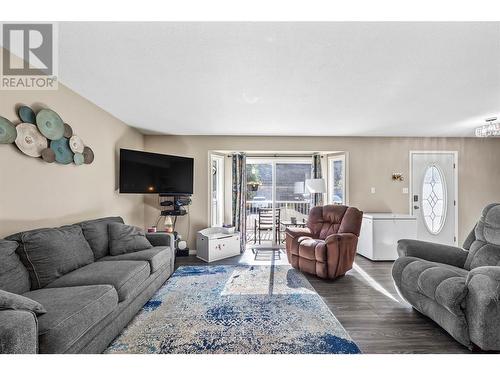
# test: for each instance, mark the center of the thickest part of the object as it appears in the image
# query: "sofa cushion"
(442, 283)
(445, 285)
(70, 313)
(125, 275)
(158, 257)
(126, 239)
(431, 278)
(96, 233)
(11, 301)
(13, 275)
(53, 252)
(407, 270)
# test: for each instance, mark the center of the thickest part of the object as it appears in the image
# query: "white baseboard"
(192, 251)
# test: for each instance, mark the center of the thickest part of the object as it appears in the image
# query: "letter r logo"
(30, 49)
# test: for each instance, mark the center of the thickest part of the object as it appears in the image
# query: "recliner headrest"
(488, 226)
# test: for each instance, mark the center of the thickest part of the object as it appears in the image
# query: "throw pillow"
(13, 275)
(11, 301)
(126, 239)
(51, 253)
(96, 234)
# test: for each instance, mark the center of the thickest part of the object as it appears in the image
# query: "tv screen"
(146, 172)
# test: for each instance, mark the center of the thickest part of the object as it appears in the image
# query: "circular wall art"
(88, 155)
(68, 131)
(26, 114)
(76, 144)
(45, 135)
(8, 131)
(78, 158)
(48, 155)
(63, 153)
(50, 124)
(29, 140)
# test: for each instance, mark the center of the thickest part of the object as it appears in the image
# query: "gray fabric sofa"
(459, 288)
(88, 301)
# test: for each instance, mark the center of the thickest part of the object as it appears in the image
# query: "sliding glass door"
(275, 197)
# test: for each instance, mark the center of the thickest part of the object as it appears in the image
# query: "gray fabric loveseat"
(89, 295)
(459, 288)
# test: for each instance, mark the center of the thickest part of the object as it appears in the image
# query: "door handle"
(416, 207)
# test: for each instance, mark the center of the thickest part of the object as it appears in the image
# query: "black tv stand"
(180, 212)
(176, 202)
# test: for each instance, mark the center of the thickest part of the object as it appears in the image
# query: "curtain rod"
(277, 155)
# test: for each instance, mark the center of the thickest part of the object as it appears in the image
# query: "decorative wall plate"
(78, 158)
(8, 131)
(68, 131)
(29, 140)
(63, 153)
(45, 135)
(26, 114)
(76, 144)
(48, 155)
(50, 124)
(88, 155)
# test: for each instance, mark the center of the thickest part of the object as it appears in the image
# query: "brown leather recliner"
(327, 246)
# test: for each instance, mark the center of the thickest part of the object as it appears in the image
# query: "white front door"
(433, 196)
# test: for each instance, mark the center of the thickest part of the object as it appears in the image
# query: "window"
(337, 179)
(217, 190)
(434, 199)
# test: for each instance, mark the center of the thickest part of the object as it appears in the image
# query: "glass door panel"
(291, 200)
(259, 202)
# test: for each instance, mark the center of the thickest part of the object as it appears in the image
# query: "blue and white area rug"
(235, 309)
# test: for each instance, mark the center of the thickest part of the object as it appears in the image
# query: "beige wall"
(36, 194)
(371, 162)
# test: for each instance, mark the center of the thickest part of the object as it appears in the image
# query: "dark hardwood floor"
(368, 306)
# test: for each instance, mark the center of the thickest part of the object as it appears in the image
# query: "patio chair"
(266, 221)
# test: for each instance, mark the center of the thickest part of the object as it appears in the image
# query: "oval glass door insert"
(434, 199)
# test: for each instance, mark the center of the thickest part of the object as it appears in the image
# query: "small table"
(289, 223)
(274, 250)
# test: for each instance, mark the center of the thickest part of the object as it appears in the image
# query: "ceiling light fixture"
(490, 129)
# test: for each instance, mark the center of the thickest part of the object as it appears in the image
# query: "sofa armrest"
(161, 239)
(298, 232)
(345, 237)
(483, 307)
(340, 253)
(18, 332)
(433, 252)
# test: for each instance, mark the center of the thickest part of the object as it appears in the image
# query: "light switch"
(405, 190)
(372, 190)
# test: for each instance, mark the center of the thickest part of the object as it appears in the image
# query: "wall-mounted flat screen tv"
(146, 172)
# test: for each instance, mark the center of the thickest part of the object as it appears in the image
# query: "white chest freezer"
(380, 233)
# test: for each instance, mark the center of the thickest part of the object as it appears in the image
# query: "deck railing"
(289, 209)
